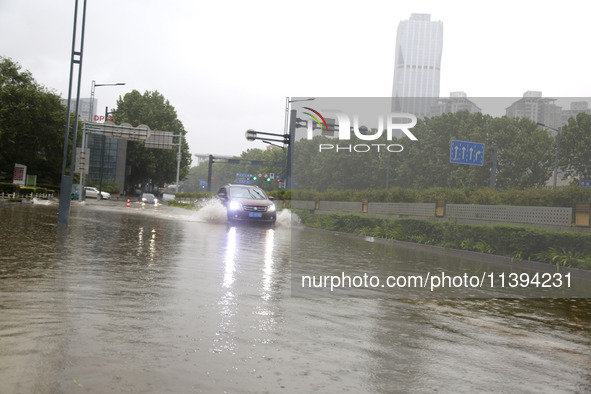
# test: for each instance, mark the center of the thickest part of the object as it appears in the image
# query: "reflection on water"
(226, 332)
(164, 300)
(268, 271)
(229, 259)
(341, 265)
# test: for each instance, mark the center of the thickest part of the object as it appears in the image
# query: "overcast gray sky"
(227, 66)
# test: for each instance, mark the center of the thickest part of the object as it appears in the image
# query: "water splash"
(211, 210)
(39, 201)
(286, 218)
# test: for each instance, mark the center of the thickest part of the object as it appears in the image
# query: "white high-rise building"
(457, 101)
(537, 108)
(419, 45)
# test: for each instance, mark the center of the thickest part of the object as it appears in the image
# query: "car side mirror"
(271, 198)
(221, 196)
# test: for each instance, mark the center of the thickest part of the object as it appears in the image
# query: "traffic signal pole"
(287, 139)
(290, 147)
(209, 173)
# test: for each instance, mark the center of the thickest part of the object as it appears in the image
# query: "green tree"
(524, 157)
(575, 147)
(425, 163)
(32, 125)
(340, 168)
(271, 162)
(149, 166)
(191, 183)
(251, 161)
(524, 152)
(264, 163)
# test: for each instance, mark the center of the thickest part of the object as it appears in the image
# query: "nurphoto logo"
(388, 123)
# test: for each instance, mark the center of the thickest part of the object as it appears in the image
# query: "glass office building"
(419, 44)
(102, 151)
(107, 155)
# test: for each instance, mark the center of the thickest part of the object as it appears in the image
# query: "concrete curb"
(482, 257)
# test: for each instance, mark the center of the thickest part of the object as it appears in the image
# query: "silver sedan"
(92, 192)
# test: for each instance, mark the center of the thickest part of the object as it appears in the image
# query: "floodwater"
(165, 300)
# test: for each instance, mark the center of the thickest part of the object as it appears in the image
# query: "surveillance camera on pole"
(250, 135)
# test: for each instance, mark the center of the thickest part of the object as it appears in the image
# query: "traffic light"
(254, 178)
(268, 179)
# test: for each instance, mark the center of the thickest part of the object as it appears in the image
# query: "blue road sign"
(202, 182)
(584, 183)
(243, 178)
(463, 152)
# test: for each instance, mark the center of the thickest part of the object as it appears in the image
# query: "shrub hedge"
(178, 204)
(563, 248)
(14, 188)
(541, 197)
(535, 197)
(9, 188)
(198, 195)
(32, 189)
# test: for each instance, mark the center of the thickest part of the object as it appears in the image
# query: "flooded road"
(165, 300)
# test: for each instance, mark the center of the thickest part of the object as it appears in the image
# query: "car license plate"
(255, 215)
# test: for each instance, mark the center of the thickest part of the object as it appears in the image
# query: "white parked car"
(92, 192)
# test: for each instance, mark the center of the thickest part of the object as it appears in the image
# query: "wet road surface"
(160, 299)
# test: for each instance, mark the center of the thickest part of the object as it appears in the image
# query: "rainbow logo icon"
(316, 119)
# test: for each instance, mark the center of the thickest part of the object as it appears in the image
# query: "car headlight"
(271, 208)
(235, 206)
(144, 199)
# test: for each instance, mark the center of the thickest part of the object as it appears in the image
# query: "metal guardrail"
(469, 213)
(13, 196)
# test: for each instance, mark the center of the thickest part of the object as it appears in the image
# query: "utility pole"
(558, 131)
(555, 178)
(209, 173)
(493, 170)
(63, 216)
(178, 162)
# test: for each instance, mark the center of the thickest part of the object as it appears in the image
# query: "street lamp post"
(558, 131)
(95, 85)
(82, 195)
(556, 157)
(104, 138)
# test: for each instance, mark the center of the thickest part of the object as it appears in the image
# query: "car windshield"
(247, 192)
(148, 195)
